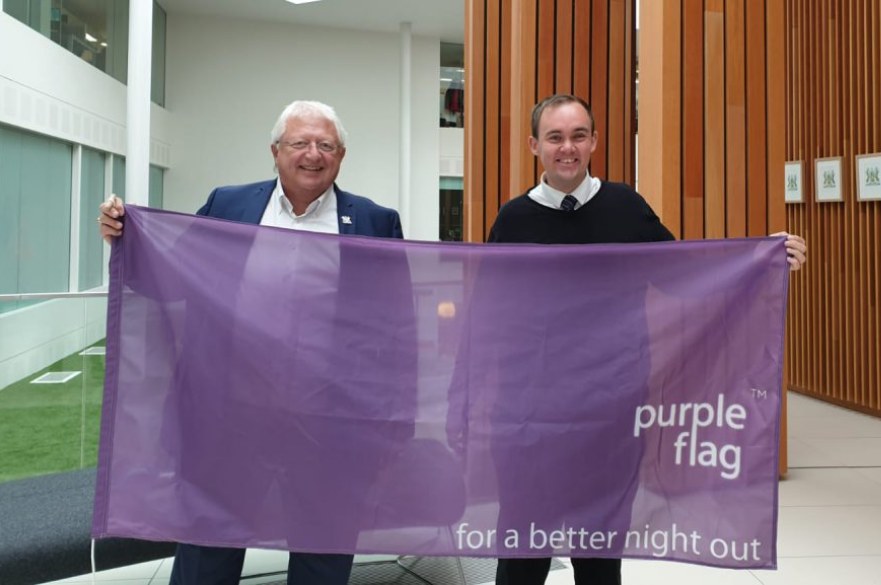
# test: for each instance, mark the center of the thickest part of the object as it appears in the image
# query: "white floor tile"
(804, 406)
(873, 473)
(829, 487)
(163, 573)
(824, 571)
(842, 424)
(829, 531)
(849, 452)
(803, 454)
(654, 572)
(258, 562)
(130, 574)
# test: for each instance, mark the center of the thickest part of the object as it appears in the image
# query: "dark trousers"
(535, 571)
(205, 565)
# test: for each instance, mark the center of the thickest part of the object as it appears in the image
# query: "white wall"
(228, 80)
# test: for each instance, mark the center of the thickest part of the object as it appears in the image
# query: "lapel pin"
(346, 219)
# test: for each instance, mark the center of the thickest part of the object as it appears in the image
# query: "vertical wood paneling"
(519, 51)
(474, 197)
(547, 33)
(756, 131)
(693, 120)
(599, 84)
(735, 120)
(714, 112)
(726, 177)
(615, 141)
(492, 100)
(629, 82)
(565, 21)
(582, 57)
(505, 189)
(833, 109)
(523, 91)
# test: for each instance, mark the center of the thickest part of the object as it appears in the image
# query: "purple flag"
(280, 389)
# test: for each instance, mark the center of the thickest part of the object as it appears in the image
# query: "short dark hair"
(557, 100)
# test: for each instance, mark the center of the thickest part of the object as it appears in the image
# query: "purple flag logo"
(298, 391)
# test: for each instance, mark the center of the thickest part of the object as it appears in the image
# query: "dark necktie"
(569, 203)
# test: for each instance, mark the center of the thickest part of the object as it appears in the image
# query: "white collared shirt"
(320, 215)
(550, 197)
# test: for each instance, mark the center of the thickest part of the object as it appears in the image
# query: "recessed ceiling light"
(90, 38)
(300, 1)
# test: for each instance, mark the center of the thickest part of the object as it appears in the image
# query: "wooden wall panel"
(475, 188)
(833, 109)
(723, 74)
(693, 120)
(519, 51)
(735, 119)
(714, 111)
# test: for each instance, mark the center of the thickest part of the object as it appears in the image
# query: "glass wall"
(451, 194)
(96, 31)
(51, 347)
(452, 85)
(91, 252)
(118, 176)
(35, 195)
(156, 188)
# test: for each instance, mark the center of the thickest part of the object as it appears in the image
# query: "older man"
(308, 144)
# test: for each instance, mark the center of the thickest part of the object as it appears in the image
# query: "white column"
(406, 123)
(140, 46)
(76, 194)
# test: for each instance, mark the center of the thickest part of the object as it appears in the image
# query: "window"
(35, 188)
(452, 85)
(96, 31)
(91, 252)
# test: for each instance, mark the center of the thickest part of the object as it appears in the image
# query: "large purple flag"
(279, 389)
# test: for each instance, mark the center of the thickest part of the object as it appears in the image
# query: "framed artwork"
(868, 168)
(793, 192)
(828, 179)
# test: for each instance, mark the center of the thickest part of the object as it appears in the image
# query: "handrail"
(64, 295)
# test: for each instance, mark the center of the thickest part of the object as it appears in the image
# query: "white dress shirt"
(550, 197)
(320, 216)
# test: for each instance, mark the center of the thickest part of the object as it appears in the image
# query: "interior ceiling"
(440, 18)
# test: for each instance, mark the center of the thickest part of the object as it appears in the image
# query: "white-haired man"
(308, 144)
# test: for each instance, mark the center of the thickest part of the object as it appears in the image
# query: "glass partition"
(51, 383)
(156, 187)
(91, 250)
(35, 188)
(452, 85)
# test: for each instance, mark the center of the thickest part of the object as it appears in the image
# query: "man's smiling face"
(566, 139)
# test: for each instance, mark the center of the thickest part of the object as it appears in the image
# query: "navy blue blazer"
(356, 214)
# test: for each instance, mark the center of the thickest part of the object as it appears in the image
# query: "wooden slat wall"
(721, 75)
(519, 51)
(833, 109)
(711, 118)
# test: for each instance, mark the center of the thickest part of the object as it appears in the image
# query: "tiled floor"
(830, 516)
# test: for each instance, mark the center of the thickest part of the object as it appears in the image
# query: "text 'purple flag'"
(279, 389)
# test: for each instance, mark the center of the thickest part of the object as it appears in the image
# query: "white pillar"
(140, 46)
(406, 124)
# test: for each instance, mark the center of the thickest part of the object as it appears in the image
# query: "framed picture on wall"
(793, 192)
(868, 167)
(827, 179)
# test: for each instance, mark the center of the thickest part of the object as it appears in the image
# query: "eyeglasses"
(300, 145)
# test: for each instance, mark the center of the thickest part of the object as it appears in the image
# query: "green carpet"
(46, 428)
